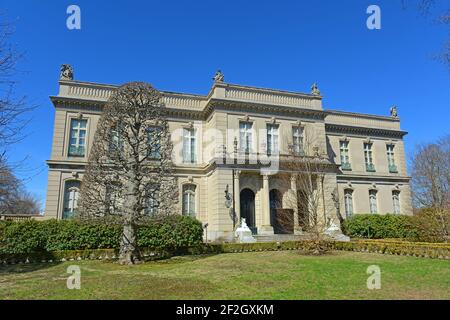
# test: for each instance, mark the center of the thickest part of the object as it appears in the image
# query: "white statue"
(243, 234)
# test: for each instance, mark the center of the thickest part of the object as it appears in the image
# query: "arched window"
(396, 201)
(348, 197)
(373, 201)
(189, 200)
(71, 194)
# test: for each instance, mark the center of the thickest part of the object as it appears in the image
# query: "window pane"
(71, 195)
(189, 200)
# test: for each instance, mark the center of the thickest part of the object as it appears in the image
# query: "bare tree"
(431, 183)
(431, 174)
(129, 173)
(12, 123)
(13, 198)
(9, 188)
(12, 108)
(308, 172)
(440, 14)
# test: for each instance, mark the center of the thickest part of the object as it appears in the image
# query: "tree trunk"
(129, 253)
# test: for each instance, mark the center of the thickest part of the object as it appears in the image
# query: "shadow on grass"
(26, 267)
(178, 258)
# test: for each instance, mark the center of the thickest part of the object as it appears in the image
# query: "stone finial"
(66, 72)
(315, 89)
(219, 77)
(393, 111)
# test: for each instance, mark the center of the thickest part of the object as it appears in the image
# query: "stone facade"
(216, 125)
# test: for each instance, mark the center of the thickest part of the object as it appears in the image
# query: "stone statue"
(66, 72)
(315, 89)
(243, 234)
(393, 111)
(219, 77)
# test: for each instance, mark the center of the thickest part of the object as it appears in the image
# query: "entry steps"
(279, 237)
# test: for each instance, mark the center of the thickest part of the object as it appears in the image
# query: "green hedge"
(171, 233)
(23, 237)
(404, 248)
(375, 226)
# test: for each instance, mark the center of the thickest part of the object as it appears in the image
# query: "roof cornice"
(364, 131)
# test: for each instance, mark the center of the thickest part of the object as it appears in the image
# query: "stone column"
(294, 202)
(266, 227)
(237, 197)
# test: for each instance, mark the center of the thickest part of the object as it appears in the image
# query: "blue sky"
(178, 45)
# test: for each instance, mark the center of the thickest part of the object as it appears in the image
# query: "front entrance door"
(248, 208)
(282, 220)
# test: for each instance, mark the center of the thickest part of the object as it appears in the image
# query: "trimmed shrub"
(80, 235)
(168, 233)
(375, 226)
(171, 233)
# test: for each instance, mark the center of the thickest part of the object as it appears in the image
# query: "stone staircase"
(280, 237)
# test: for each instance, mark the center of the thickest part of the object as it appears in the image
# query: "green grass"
(253, 275)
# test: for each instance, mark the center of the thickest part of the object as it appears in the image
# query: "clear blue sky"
(178, 45)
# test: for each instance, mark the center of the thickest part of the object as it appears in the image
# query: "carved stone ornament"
(315, 89)
(219, 76)
(394, 112)
(66, 72)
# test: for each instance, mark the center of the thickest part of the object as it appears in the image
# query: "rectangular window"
(391, 158)
(245, 136)
(189, 146)
(396, 201)
(116, 139)
(77, 142)
(297, 139)
(153, 199)
(373, 201)
(154, 142)
(368, 157)
(348, 197)
(272, 139)
(345, 158)
(189, 200)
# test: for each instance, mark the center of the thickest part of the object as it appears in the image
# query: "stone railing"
(362, 120)
(272, 97)
(84, 90)
(183, 101)
(99, 92)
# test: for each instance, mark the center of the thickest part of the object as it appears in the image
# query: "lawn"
(252, 275)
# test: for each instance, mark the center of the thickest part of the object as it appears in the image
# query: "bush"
(171, 233)
(432, 225)
(23, 237)
(374, 226)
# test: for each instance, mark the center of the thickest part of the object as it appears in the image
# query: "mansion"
(222, 141)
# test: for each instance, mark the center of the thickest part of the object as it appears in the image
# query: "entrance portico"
(262, 198)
